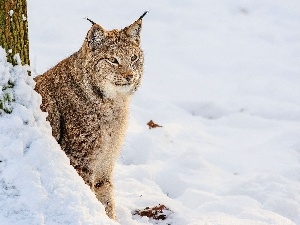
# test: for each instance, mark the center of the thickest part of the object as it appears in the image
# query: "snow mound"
(37, 183)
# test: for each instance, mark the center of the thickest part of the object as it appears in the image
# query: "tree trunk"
(14, 29)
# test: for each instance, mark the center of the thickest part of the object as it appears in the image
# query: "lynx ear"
(95, 36)
(134, 30)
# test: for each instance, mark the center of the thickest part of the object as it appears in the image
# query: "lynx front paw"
(104, 193)
(110, 210)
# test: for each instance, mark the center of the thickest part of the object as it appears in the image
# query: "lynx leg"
(103, 189)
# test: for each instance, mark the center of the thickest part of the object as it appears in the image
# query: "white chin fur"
(112, 90)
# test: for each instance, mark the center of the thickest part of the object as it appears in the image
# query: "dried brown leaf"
(151, 124)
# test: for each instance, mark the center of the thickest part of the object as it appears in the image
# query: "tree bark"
(14, 29)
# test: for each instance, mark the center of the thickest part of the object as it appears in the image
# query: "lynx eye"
(113, 60)
(133, 58)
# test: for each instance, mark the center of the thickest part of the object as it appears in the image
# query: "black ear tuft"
(144, 14)
(91, 21)
(95, 36)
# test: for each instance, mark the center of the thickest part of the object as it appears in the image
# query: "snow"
(221, 78)
(24, 17)
(11, 12)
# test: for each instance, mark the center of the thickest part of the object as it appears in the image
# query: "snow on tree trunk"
(14, 29)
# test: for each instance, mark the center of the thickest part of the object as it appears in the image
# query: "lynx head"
(114, 59)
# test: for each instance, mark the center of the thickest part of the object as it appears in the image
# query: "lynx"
(87, 98)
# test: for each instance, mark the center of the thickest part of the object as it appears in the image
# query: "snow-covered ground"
(221, 77)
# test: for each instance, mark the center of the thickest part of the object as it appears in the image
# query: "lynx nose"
(129, 77)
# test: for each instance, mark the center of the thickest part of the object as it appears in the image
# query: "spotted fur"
(87, 96)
